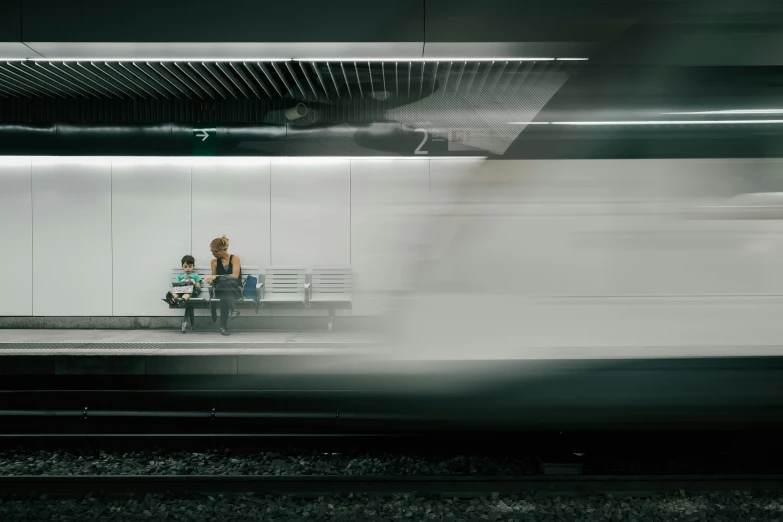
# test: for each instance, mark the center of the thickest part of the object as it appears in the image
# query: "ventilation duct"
(294, 113)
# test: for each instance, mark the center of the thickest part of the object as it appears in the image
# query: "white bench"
(206, 297)
(283, 285)
(332, 288)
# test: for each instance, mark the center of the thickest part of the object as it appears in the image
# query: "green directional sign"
(204, 141)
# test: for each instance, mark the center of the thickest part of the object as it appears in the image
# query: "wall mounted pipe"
(170, 139)
(136, 140)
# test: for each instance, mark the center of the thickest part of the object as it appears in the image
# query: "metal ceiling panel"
(321, 81)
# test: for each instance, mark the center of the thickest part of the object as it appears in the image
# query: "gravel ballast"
(227, 462)
(292, 461)
(731, 506)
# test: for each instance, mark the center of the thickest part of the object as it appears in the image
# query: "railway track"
(456, 486)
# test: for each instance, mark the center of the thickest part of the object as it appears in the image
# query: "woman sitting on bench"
(225, 267)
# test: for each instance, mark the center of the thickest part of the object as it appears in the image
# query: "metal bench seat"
(204, 298)
(283, 285)
(332, 287)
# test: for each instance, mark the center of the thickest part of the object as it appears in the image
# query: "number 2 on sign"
(423, 141)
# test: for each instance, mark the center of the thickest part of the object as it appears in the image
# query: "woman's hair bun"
(219, 243)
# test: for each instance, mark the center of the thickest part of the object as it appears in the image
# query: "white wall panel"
(389, 213)
(16, 234)
(654, 249)
(519, 226)
(311, 214)
(150, 230)
(232, 199)
(72, 237)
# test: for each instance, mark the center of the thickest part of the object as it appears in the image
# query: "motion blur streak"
(590, 260)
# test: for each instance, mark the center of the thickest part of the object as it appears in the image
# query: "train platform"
(112, 341)
(168, 352)
(345, 377)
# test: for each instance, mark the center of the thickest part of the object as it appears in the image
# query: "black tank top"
(229, 269)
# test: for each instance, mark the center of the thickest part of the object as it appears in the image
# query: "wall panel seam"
(270, 212)
(32, 244)
(350, 212)
(111, 230)
(191, 208)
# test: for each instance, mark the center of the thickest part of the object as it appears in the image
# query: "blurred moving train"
(595, 293)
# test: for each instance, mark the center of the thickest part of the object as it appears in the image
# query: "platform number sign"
(204, 141)
(431, 141)
(423, 141)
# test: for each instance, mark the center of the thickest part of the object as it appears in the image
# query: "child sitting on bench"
(188, 277)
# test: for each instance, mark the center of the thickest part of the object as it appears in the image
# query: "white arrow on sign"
(203, 135)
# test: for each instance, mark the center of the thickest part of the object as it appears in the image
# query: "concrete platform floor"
(167, 352)
(159, 342)
(174, 336)
(174, 342)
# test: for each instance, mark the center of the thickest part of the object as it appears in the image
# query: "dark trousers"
(226, 307)
(190, 315)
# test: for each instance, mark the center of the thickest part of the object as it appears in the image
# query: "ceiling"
(454, 64)
(322, 82)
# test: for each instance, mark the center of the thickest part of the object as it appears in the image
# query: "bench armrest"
(259, 294)
(308, 287)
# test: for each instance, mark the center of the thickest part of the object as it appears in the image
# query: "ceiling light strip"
(296, 79)
(44, 76)
(86, 80)
(269, 78)
(651, 122)
(336, 88)
(240, 72)
(732, 111)
(321, 79)
(142, 73)
(257, 78)
(219, 78)
(65, 83)
(168, 78)
(26, 83)
(279, 60)
(17, 159)
(8, 92)
(93, 72)
(309, 82)
(358, 79)
(347, 83)
(130, 73)
(230, 77)
(437, 59)
(119, 74)
(206, 80)
(193, 79)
